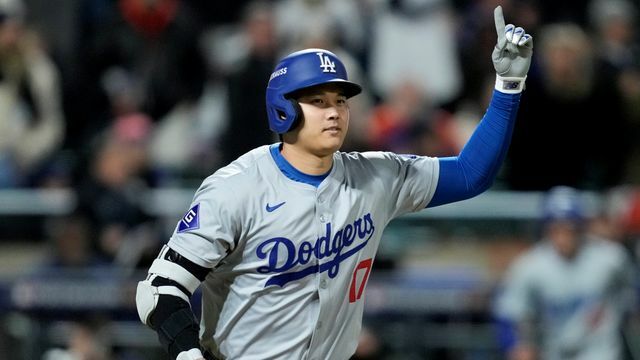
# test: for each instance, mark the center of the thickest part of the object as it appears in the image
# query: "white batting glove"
(511, 56)
(193, 354)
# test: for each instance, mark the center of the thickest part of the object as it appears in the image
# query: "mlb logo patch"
(191, 219)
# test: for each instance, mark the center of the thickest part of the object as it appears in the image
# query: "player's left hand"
(512, 54)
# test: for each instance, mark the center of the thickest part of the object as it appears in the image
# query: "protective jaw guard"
(300, 70)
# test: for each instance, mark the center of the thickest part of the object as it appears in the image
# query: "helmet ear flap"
(298, 114)
(282, 112)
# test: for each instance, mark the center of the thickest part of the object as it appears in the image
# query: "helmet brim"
(350, 89)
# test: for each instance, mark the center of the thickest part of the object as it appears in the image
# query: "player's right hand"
(512, 54)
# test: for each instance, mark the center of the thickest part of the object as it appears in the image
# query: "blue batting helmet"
(299, 70)
(563, 203)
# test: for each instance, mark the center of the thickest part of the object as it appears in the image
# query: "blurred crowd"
(167, 91)
(113, 97)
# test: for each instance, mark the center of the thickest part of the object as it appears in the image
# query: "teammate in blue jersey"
(282, 240)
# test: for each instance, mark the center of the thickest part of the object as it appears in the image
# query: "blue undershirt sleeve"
(475, 168)
(506, 331)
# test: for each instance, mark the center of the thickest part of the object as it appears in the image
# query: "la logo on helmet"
(325, 63)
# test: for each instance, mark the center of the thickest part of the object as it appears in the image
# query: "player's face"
(326, 120)
(565, 237)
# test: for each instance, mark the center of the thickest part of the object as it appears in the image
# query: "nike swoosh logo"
(274, 207)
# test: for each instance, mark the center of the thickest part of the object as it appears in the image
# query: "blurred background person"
(343, 23)
(615, 27)
(246, 108)
(31, 118)
(614, 24)
(87, 341)
(154, 43)
(415, 40)
(71, 246)
(619, 219)
(407, 122)
(393, 122)
(569, 296)
(117, 174)
(571, 127)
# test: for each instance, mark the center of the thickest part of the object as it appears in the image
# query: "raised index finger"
(499, 20)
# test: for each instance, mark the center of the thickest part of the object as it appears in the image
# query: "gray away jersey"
(578, 304)
(290, 261)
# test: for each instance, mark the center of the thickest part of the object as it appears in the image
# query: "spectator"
(568, 145)
(614, 24)
(619, 54)
(31, 119)
(71, 245)
(185, 144)
(154, 42)
(620, 218)
(111, 193)
(406, 122)
(247, 108)
(568, 297)
(86, 342)
(342, 21)
(415, 40)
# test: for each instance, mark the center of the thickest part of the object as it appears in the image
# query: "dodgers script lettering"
(282, 253)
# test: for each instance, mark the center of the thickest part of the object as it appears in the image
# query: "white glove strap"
(510, 85)
(192, 354)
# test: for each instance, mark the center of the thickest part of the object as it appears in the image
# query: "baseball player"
(567, 297)
(282, 240)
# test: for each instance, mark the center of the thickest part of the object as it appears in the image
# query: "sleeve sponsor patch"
(191, 220)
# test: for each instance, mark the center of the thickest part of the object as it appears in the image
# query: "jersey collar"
(291, 172)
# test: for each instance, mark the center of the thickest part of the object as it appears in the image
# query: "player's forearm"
(475, 168)
(163, 302)
(176, 326)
